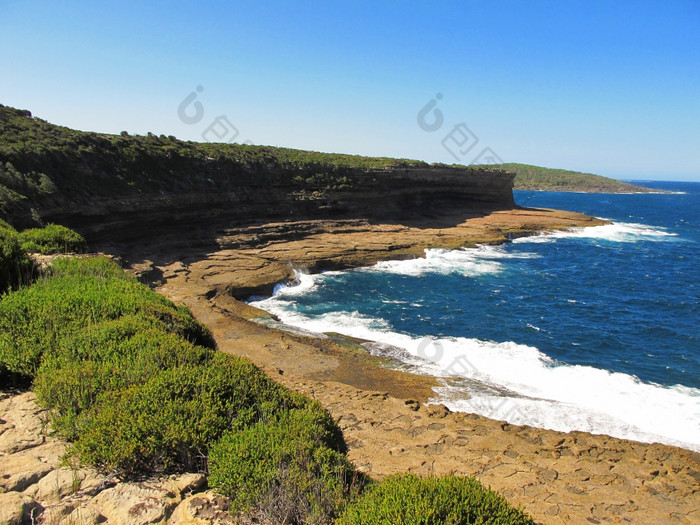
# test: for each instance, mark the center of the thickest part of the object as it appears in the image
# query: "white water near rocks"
(506, 380)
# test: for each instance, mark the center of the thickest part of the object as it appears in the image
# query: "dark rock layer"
(403, 194)
(121, 187)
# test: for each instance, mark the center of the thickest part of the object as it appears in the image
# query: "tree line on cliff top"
(528, 177)
(45, 166)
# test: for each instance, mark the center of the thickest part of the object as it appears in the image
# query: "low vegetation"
(449, 500)
(15, 266)
(52, 239)
(292, 467)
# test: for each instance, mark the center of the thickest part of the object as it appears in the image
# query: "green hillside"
(45, 168)
(528, 177)
(43, 165)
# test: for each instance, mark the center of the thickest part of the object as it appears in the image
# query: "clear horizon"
(596, 87)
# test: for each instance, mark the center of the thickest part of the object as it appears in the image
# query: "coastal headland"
(210, 225)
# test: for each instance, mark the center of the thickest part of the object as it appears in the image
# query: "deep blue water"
(638, 302)
(595, 330)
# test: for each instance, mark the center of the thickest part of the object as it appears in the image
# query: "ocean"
(594, 329)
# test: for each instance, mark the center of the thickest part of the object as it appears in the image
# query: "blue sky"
(608, 87)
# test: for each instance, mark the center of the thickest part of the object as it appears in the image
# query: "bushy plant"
(170, 420)
(15, 267)
(52, 239)
(291, 469)
(79, 267)
(105, 357)
(411, 500)
(77, 293)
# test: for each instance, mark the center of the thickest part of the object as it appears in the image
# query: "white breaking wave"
(470, 262)
(303, 283)
(517, 383)
(615, 232)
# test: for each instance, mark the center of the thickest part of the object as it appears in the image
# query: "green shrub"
(77, 293)
(53, 238)
(170, 420)
(109, 356)
(290, 469)
(411, 500)
(79, 267)
(15, 267)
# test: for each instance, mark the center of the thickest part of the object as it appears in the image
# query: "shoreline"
(556, 476)
(651, 192)
(394, 350)
(448, 396)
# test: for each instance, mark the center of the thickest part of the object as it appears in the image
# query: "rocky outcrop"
(376, 195)
(37, 486)
(251, 260)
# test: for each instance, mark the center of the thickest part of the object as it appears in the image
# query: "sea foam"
(520, 384)
(471, 262)
(615, 232)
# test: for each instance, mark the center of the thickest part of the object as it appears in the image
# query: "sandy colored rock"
(63, 482)
(27, 467)
(186, 484)
(15, 508)
(150, 501)
(201, 509)
(21, 423)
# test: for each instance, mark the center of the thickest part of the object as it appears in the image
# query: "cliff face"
(402, 194)
(120, 186)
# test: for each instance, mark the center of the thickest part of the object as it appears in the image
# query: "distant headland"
(537, 178)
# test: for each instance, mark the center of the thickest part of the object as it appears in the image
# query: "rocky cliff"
(118, 186)
(387, 194)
